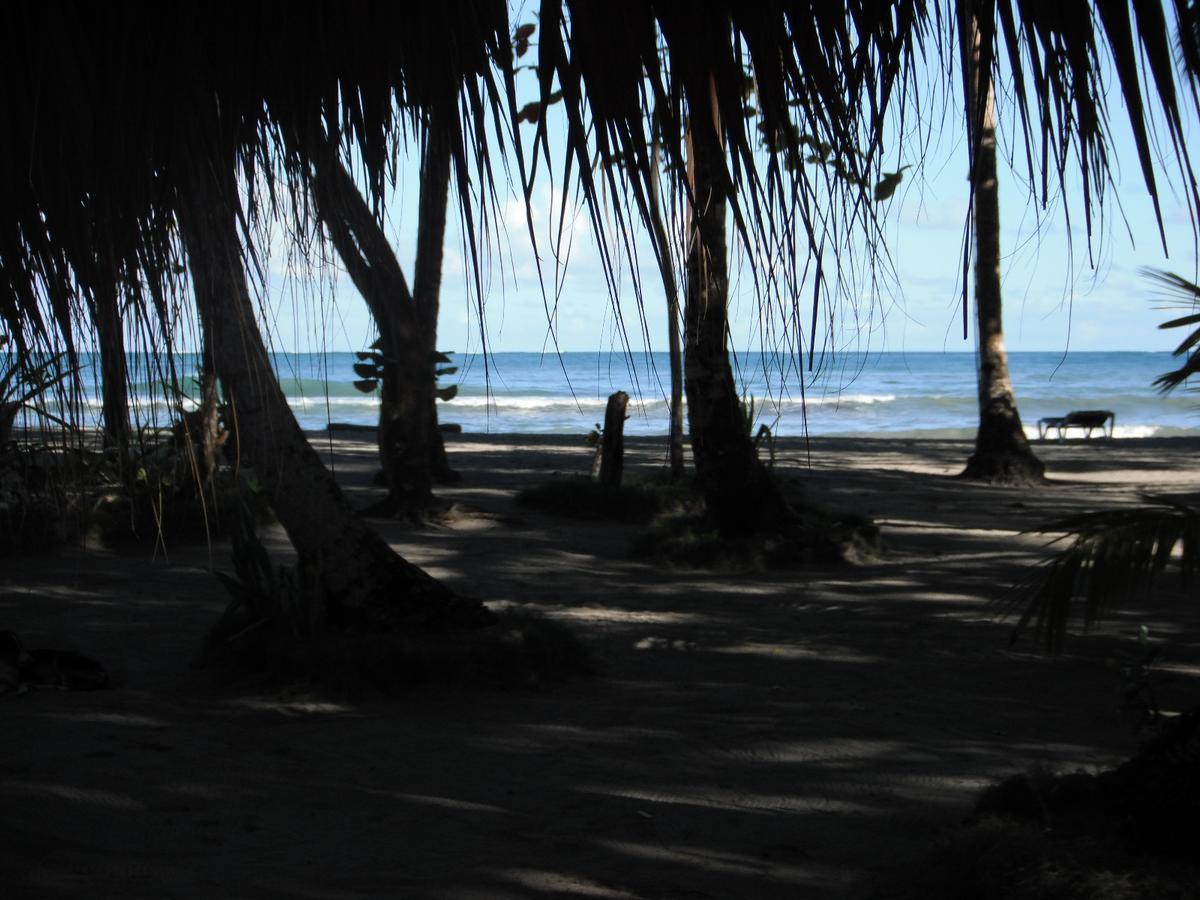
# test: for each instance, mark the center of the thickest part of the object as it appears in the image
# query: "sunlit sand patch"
(90, 796)
(792, 651)
(841, 751)
(543, 881)
(731, 801)
(662, 643)
(724, 863)
(629, 616)
(442, 802)
(103, 718)
(297, 707)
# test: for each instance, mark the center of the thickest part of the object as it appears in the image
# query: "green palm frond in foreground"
(1114, 556)
(1185, 295)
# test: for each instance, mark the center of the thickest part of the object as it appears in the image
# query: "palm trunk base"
(1012, 466)
(746, 501)
(439, 462)
(396, 596)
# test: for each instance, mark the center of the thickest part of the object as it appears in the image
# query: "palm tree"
(410, 444)
(368, 585)
(427, 274)
(1002, 453)
(407, 382)
(172, 119)
(739, 492)
(671, 290)
(110, 336)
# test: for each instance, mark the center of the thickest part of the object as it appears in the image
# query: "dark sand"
(750, 735)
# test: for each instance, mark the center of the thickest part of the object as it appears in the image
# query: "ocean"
(884, 395)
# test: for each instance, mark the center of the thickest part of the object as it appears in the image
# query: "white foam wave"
(849, 400)
(1121, 431)
(366, 400)
(526, 403)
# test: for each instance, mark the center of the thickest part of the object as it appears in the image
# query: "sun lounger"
(1088, 419)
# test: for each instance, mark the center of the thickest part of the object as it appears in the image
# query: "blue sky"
(1055, 298)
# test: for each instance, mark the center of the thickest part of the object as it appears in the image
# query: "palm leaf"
(1184, 293)
(1112, 557)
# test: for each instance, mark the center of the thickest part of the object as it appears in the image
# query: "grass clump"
(635, 501)
(814, 536)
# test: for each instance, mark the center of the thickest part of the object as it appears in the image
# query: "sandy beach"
(748, 734)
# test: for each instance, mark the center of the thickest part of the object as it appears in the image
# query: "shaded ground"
(750, 735)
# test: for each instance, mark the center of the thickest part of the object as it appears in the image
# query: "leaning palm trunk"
(408, 383)
(1002, 453)
(741, 496)
(427, 277)
(365, 584)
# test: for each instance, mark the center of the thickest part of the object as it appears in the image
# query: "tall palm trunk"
(113, 372)
(206, 436)
(675, 435)
(427, 275)
(1002, 453)
(367, 585)
(408, 383)
(739, 492)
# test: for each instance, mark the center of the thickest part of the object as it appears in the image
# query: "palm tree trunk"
(209, 437)
(113, 374)
(367, 586)
(408, 384)
(427, 275)
(739, 492)
(675, 433)
(1002, 452)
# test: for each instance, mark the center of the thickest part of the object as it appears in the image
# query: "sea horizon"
(899, 394)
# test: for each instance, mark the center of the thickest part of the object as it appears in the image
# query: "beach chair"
(1086, 419)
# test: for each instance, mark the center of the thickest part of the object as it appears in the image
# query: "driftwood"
(610, 453)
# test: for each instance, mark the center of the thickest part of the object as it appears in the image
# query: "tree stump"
(612, 440)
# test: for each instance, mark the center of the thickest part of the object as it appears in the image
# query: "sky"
(1059, 294)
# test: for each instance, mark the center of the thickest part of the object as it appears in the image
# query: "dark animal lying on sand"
(22, 669)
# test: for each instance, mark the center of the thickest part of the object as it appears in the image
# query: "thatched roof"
(98, 98)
